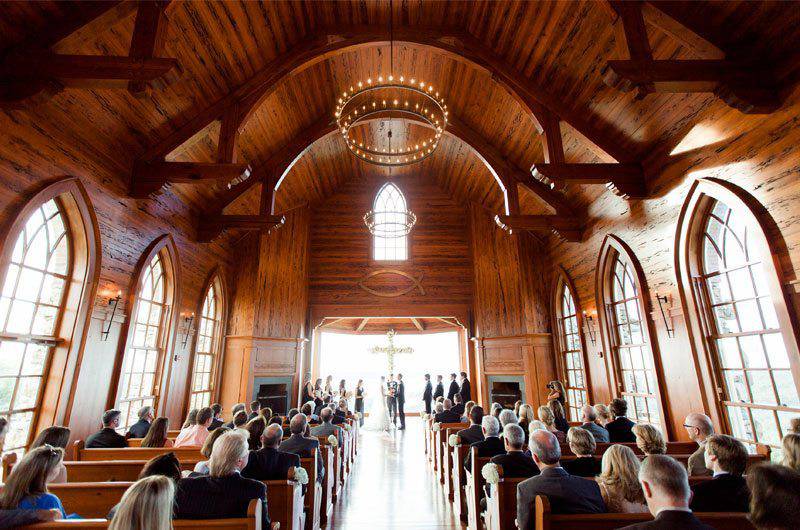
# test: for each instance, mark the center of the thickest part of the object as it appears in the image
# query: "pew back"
(189, 454)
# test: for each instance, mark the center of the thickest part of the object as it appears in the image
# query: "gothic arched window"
(390, 208)
(571, 361)
(207, 347)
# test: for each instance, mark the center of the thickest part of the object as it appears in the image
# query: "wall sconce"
(588, 327)
(662, 301)
(114, 302)
(188, 319)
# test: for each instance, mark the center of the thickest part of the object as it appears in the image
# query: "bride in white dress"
(378, 419)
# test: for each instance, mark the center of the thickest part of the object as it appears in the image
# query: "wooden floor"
(392, 486)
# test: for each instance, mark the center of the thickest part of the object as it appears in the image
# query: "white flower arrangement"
(347, 427)
(436, 427)
(491, 472)
(453, 440)
(357, 415)
(301, 475)
(333, 441)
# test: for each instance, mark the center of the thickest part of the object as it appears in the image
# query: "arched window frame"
(564, 283)
(57, 390)
(215, 280)
(165, 247)
(613, 248)
(374, 240)
(688, 243)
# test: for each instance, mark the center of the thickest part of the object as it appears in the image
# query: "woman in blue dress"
(26, 486)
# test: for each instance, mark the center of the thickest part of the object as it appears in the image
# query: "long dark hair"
(157, 433)
(55, 436)
(191, 419)
(558, 409)
(29, 477)
(166, 465)
(256, 428)
(318, 384)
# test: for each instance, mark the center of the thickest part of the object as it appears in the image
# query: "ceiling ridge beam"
(625, 180)
(212, 226)
(566, 227)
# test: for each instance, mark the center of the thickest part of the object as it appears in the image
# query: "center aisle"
(392, 486)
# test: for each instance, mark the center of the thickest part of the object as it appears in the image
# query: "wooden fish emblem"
(391, 293)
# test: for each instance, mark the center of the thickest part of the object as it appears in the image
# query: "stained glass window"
(390, 207)
(572, 355)
(206, 350)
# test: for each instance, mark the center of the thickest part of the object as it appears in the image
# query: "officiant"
(401, 401)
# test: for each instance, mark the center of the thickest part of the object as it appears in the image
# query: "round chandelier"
(390, 224)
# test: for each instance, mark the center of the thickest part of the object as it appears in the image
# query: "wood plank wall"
(757, 153)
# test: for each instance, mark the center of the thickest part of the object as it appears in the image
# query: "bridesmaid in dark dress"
(308, 392)
(360, 401)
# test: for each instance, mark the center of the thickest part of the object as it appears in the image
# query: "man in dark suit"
(567, 494)
(465, 391)
(699, 428)
(327, 428)
(491, 445)
(108, 437)
(391, 398)
(401, 401)
(224, 493)
(727, 491)
(514, 462)
(269, 463)
(666, 489)
(619, 429)
(458, 405)
(303, 447)
(453, 390)
(473, 433)
(439, 392)
(139, 429)
(447, 415)
(589, 417)
(239, 407)
(255, 406)
(216, 421)
(427, 394)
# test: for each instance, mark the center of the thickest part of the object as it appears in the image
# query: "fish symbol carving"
(394, 293)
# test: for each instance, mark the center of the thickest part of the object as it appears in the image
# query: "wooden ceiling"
(402, 325)
(559, 47)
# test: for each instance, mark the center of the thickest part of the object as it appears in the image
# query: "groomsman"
(427, 395)
(391, 399)
(466, 393)
(401, 401)
(439, 392)
(453, 390)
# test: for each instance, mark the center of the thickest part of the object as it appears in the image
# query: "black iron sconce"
(188, 320)
(114, 302)
(664, 300)
(589, 329)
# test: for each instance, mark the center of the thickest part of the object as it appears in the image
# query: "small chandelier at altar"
(390, 224)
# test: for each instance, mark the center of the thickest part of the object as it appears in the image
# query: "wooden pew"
(89, 499)
(501, 504)
(673, 448)
(80, 453)
(459, 477)
(137, 442)
(285, 503)
(97, 471)
(545, 520)
(313, 494)
(329, 459)
(474, 489)
(447, 464)
(440, 446)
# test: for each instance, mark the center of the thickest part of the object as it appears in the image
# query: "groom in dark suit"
(391, 400)
(427, 395)
(401, 400)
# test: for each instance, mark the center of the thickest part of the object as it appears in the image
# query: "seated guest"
(726, 457)
(208, 447)
(340, 413)
(292, 412)
(773, 497)
(567, 494)
(239, 421)
(458, 406)
(140, 428)
(275, 419)
(308, 410)
(649, 439)
(26, 486)
(15, 518)
(619, 481)
(467, 409)
(496, 408)
(195, 436)
(3, 431)
(447, 415)
(146, 505)
(438, 408)
(699, 428)
(582, 444)
(326, 401)
(547, 417)
(255, 406)
(224, 493)
(239, 407)
(157, 434)
(525, 418)
(620, 428)
(791, 451)
(266, 413)
(666, 490)
(300, 445)
(507, 417)
(165, 465)
(108, 436)
(216, 421)
(191, 419)
(603, 415)
(55, 436)
(515, 463)
(589, 417)
(269, 463)
(255, 428)
(491, 445)
(473, 433)
(327, 428)
(517, 405)
(794, 426)
(559, 414)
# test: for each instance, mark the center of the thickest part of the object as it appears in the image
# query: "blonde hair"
(146, 505)
(468, 408)
(581, 441)
(546, 416)
(29, 477)
(649, 439)
(228, 450)
(791, 451)
(603, 413)
(620, 472)
(208, 445)
(526, 413)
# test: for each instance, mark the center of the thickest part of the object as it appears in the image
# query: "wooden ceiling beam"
(632, 40)
(361, 325)
(417, 324)
(76, 68)
(212, 226)
(625, 180)
(149, 177)
(690, 40)
(148, 37)
(567, 228)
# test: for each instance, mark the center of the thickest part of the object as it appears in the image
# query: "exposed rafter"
(147, 42)
(417, 324)
(567, 228)
(212, 226)
(149, 177)
(361, 325)
(625, 180)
